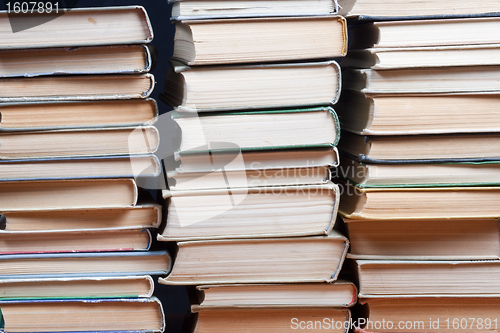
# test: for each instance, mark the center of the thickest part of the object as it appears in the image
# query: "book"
(118, 315)
(432, 278)
(393, 9)
(431, 239)
(76, 87)
(419, 203)
(82, 27)
(75, 241)
(418, 175)
(248, 178)
(460, 314)
(271, 320)
(296, 158)
(260, 130)
(60, 194)
(273, 211)
(394, 114)
(79, 142)
(238, 87)
(453, 80)
(144, 215)
(418, 33)
(77, 288)
(420, 148)
(272, 260)
(424, 56)
(340, 294)
(264, 39)
(72, 114)
(195, 9)
(251, 168)
(80, 168)
(92, 264)
(126, 59)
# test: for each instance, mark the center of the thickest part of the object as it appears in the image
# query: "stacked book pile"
(76, 127)
(251, 204)
(421, 123)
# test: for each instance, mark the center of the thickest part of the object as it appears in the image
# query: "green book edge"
(364, 186)
(328, 109)
(2, 321)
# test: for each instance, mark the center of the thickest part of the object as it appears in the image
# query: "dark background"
(175, 300)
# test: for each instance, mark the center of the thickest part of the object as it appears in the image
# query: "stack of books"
(76, 128)
(251, 204)
(420, 120)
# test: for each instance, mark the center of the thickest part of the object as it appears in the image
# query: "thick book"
(144, 215)
(80, 168)
(72, 114)
(370, 175)
(453, 80)
(67, 194)
(424, 56)
(215, 159)
(272, 260)
(127, 59)
(437, 148)
(265, 39)
(272, 211)
(394, 114)
(77, 288)
(81, 26)
(196, 9)
(79, 142)
(397, 9)
(340, 294)
(431, 239)
(435, 314)
(76, 87)
(143, 315)
(75, 241)
(235, 87)
(419, 203)
(404, 278)
(259, 130)
(92, 264)
(418, 33)
(272, 320)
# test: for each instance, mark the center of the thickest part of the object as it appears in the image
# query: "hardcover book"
(272, 260)
(77, 288)
(195, 9)
(72, 114)
(92, 264)
(126, 59)
(80, 168)
(264, 39)
(395, 114)
(67, 194)
(79, 142)
(272, 211)
(237, 87)
(260, 130)
(76, 87)
(81, 26)
(118, 315)
(143, 215)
